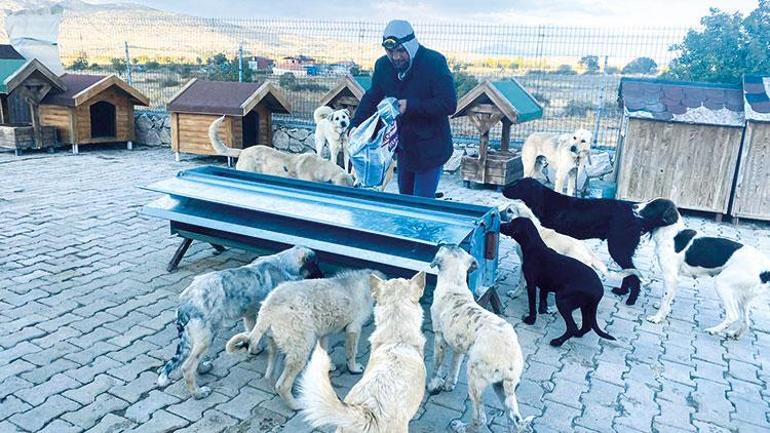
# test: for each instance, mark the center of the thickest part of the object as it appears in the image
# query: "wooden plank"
(752, 193)
(484, 108)
(175, 131)
(59, 118)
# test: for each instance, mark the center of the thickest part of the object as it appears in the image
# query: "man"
(421, 81)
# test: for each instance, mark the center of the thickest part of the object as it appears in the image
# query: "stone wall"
(292, 139)
(153, 128)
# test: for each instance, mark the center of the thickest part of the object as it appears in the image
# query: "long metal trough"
(223, 206)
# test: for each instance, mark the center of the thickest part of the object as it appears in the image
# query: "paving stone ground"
(86, 309)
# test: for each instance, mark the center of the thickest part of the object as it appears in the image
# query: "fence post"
(128, 65)
(240, 63)
(600, 108)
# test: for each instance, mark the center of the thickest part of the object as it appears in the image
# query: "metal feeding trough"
(239, 209)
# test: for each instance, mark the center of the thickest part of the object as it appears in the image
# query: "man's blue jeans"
(422, 184)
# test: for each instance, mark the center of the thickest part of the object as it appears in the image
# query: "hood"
(401, 29)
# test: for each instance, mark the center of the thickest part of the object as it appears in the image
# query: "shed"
(22, 93)
(679, 140)
(93, 109)
(347, 93)
(752, 190)
(248, 108)
(505, 101)
(10, 62)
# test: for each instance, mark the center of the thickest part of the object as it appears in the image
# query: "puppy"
(575, 284)
(567, 153)
(391, 389)
(591, 218)
(230, 294)
(267, 160)
(331, 128)
(460, 324)
(741, 273)
(297, 314)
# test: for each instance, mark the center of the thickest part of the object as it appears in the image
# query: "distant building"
(341, 68)
(298, 65)
(261, 64)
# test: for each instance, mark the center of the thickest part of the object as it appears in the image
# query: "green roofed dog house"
(347, 93)
(490, 102)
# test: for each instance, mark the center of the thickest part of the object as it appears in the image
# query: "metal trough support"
(233, 208)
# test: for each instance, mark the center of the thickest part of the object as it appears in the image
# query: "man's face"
(399, 57)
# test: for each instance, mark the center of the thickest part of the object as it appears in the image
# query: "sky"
(576, 13)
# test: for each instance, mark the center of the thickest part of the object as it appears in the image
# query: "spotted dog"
(230, 294)
(462, 325)
(741, 273)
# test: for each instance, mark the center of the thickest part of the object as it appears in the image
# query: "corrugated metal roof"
(682, 101)
(7, 68)
(756, 94)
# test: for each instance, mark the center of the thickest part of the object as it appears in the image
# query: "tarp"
(35, 33)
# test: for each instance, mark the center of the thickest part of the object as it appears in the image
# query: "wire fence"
(573, 72)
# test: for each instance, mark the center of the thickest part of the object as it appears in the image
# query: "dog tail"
(594, 324)
(322, 113)
(219, 147)
(246, 340)
(182, 349)
(322, 406)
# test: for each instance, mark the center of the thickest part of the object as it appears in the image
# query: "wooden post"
(505, 138)
(36, 129)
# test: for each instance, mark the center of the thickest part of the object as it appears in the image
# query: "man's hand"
(402, 105)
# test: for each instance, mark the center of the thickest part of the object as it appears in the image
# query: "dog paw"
(449, 387)
(458, 426)
(435, 386)
(294, 405)
(204, 367)
(529, 320)
(619, 291)
(654, 319)
(162, 380)
(513, 293)
(631, 300)
(356, 368)
(557, 342)
(203, 392)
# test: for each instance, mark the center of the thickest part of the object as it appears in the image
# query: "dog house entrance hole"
(251, 129)
(103, 120)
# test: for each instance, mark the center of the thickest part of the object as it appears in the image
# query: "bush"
(287, 80)
(169, 82)
(641, 65)
(577, 108)
(564, 70)
(612, 70)
(464, 82)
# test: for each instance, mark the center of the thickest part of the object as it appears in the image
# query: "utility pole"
(128, 65)
(240, 63)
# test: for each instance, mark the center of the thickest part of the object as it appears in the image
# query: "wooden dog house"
(679, 140)
(93, 109)
(752, 189)
(347, 93)
(24, 85)
(490, 102)
(248, 108)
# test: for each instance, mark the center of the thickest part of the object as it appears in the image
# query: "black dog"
(575, 284)
(595, 218)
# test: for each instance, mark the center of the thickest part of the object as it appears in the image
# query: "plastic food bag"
(373, 144)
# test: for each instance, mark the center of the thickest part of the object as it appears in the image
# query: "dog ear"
(473, 265)
(375, 285)
(436, 263)
(671, 215)
(346, 111)
(418, 284)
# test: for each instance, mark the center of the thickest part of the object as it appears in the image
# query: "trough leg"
(176, 157)
(129, 145)
(178, 254)
(219, 248)
(491, 299)
(75, 149)
(17, 152)
(229, 162)
(718, 218)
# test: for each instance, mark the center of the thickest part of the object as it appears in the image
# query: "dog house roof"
(81, 87)
(10, 62)
(682, 101)
(756, 95)
(508, 95)
(227, 97)
(348, 86)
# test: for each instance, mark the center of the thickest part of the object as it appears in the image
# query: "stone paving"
(86, 309)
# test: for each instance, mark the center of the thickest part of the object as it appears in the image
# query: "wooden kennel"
(247, 107)
(24, 85)
(485, 105)
(751, 198)
(347, 93)
(679, 140)
(93, 109)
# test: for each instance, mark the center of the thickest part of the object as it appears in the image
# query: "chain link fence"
(573, 72)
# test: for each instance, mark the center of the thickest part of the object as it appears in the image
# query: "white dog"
(567, 153)
(294, 317)
(267, 160)
(391, 389)
(741, 273)
(331, 128)
(460, 324)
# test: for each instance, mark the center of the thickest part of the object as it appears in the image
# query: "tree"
(81, 63)
(590, 63)
(729, 46)
(641, 65)
(152, 65)
(464, 81)
(564, 70)
(287, 80)
(221, 68)
(118, 65)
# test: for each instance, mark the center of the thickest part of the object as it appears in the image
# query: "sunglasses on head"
(392, 42)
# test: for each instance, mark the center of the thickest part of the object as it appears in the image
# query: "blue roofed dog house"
(347, 93)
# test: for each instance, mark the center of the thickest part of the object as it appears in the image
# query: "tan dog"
(567, 153)
(460, 324)
(294, 317)
(331, 127)
(267, 160)
(391, 389)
